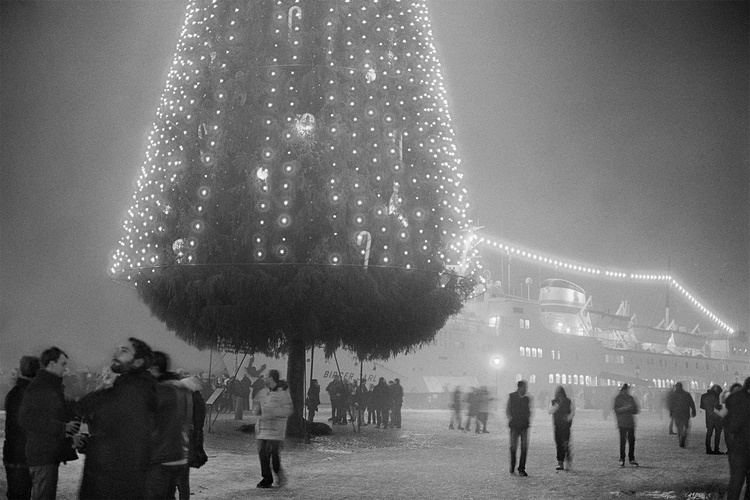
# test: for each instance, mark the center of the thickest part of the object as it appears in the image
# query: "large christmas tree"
(301, 185)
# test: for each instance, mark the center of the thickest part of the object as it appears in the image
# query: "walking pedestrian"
(455, 407)
(737, 424)
(562, 410)
(710, 401)
(273, 405)
(625, 408)
(471, 404)
(483, 409)
(48, 421)
(14, 447)
(683, 409)
(120, 420)
(518, 412)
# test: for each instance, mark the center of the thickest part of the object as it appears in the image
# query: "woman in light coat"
(273, 405)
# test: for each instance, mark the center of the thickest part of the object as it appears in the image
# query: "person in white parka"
(273, 405)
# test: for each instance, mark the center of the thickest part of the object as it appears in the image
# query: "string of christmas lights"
(595, 271)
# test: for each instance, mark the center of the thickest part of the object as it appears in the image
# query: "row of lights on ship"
(594, 271)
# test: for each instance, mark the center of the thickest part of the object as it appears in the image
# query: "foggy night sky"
(612, 133)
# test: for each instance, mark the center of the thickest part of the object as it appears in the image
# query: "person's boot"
(560, 465)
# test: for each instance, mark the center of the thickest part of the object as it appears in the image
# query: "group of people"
(140, 430)
(380, 404)
(477, 404)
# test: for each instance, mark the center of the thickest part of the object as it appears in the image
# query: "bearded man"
(120, 419)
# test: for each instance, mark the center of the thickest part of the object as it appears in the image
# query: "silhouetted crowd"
(379, 405)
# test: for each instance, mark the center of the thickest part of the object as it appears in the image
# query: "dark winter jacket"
(381, 396)
(518, 411)
(120, 422)
(313, 398)
(625, 407)
(173, 422)
(14, 447)
(43, 414)
(737, 422)
(709, 402)
(397, 395)
(683, 406)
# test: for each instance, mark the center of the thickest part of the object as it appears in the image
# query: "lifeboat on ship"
(562, 306)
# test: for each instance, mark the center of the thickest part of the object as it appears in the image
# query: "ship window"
(533, 352)
(541, 352)
(588, 380)
(564, 379)
(493, 322)
(575, 379)
(551, 378)
(532, 379)
(527, 323)
(520, 323)
(521, 349)
(558, 354)
(557, 378)
(553, 354)
(518, 377)
(580, 379)
(528, 352)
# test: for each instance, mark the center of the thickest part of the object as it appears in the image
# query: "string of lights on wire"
(595, 271)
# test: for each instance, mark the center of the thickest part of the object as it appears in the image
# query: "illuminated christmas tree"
(301, 185)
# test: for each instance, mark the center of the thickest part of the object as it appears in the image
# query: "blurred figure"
(471, 409)
(313, 399)
(626, 407)
(455, 407)
(14, 447)
(47, 419)
(668, 405)
(335, 390)
(273, 405)
(120, 420)
(397, 401)
(360, 402)
(737, 424)
(518, 412)
(483, 409)
(682, 410)
(710, 401)
(173, 425)
(563, 410)
(380, 398)
(371, 413)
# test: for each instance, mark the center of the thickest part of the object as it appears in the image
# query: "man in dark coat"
(120, 421)
(518, 411)
(683, 409)
(625, 408)
(737, 424)
(47, 419)
(14, 448)
(709, 403)
(380, 397)
(335, 390)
